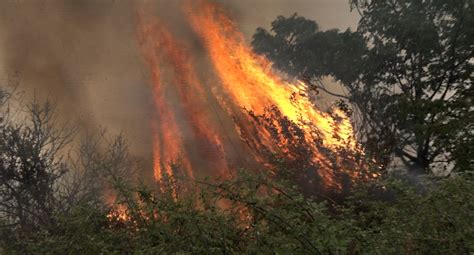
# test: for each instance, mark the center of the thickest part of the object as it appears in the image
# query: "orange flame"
(168, 141)
(186, 121)
(248, 79)
(118, 213)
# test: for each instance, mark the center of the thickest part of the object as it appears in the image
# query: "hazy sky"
(83, 54)
(328, 13)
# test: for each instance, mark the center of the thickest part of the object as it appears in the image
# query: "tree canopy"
(407, 71)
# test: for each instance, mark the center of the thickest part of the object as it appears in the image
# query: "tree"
(44, 210)
(30, 167)
(407, 71)
(41, 178)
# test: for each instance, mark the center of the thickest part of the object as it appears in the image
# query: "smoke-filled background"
(83, 55)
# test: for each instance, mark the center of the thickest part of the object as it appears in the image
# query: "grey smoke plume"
(82, 56)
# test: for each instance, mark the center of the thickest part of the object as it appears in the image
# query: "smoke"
(83, 55)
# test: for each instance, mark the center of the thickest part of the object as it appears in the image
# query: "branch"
(321, 86)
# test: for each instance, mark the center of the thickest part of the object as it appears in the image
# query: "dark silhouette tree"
(42, 176)
(30, 166)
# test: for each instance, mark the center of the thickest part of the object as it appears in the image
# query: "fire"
(249, 80)
(118, 213)
(250, 102)
(168, 137)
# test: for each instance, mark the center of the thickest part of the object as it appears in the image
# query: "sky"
(260, 13)
(83, 55)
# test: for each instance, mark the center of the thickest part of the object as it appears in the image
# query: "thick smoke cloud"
(81, 55)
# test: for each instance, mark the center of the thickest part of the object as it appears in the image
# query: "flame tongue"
(248, 80)
(257, 102)
(177, 126)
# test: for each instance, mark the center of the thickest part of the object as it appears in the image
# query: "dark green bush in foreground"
(266, 217)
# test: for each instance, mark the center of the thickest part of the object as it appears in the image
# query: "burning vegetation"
(248, 117)
(244, 161)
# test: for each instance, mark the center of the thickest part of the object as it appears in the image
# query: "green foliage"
(248, 213)
(83, 230)
(253, 214)
(435, 218)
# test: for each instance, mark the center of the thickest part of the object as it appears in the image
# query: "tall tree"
(407, 70)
